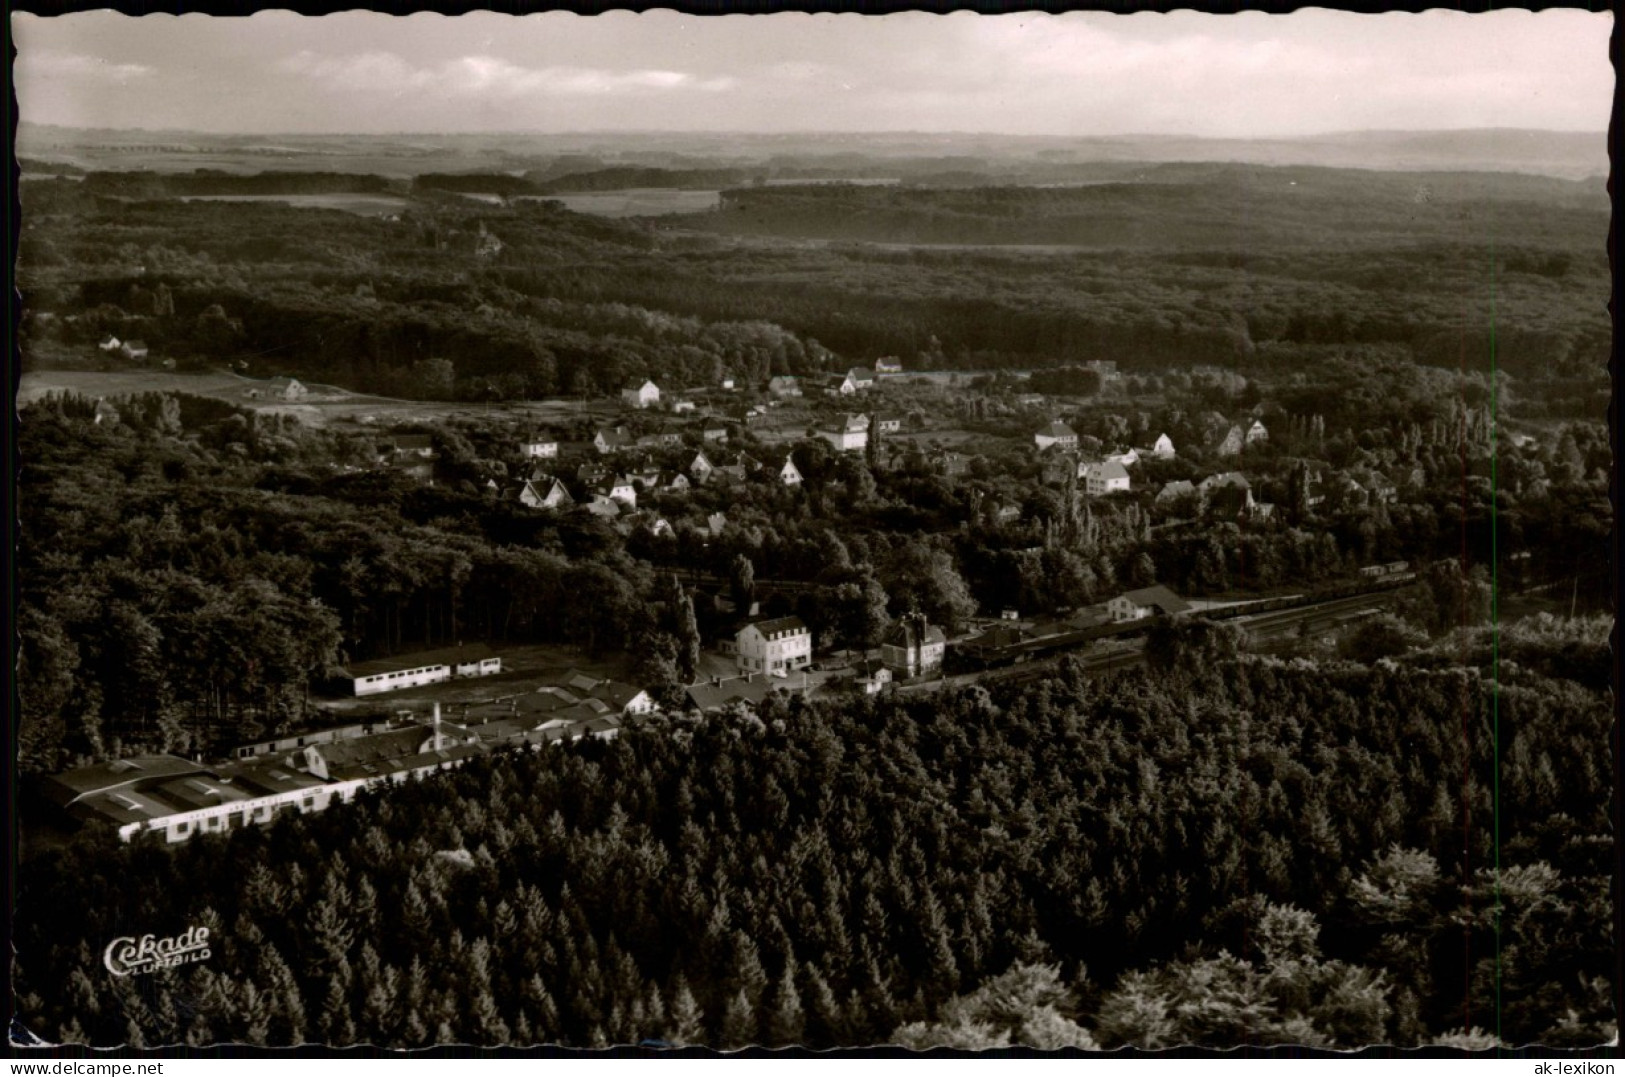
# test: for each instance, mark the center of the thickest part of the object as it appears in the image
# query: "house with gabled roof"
(1231, 443)
(850, 435)
(545, 493)
(1057, 435)
(618, 488)
(1106, 477)
(789, 475)
(287, 389)
(614, 439)
(888, 364)
(606, 695)
(646, 395)
(721, 693)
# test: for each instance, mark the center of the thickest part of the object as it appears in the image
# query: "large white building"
(177, 799)
(775, 647)
(422, 667)
(1056, 434)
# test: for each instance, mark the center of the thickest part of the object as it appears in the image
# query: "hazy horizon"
(720, 132)
(1311, 74)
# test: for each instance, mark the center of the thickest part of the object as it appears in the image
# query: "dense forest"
(1253, 269)
(1219, 850)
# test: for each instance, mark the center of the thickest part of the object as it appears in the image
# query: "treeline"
(1217, 851)
(1220, 207)
(204, 181)
(626, 177)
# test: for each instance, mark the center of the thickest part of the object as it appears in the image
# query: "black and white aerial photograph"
(666, 533)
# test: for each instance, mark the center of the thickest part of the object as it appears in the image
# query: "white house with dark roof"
(851, 435)
(1107, 477)
(646, 395)
(543, 493)
(1056, 435)
(775, 646)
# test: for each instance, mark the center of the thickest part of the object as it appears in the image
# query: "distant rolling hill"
(1184, 207)
(906, 154)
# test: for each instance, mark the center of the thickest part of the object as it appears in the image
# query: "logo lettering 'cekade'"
(127, 956)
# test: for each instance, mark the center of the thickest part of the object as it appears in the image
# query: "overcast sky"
(1077, 74)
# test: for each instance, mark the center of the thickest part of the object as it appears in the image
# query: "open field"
(366, 205)
(325, 404)
(648, 202)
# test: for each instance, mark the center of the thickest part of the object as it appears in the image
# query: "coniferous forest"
(1221, 849)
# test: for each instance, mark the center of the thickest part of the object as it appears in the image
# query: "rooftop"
(1159, 596)
(75, 785)
(779, 626)
(444, 656)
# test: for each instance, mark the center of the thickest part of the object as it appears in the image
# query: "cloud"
(67, 65)
(485, 76)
